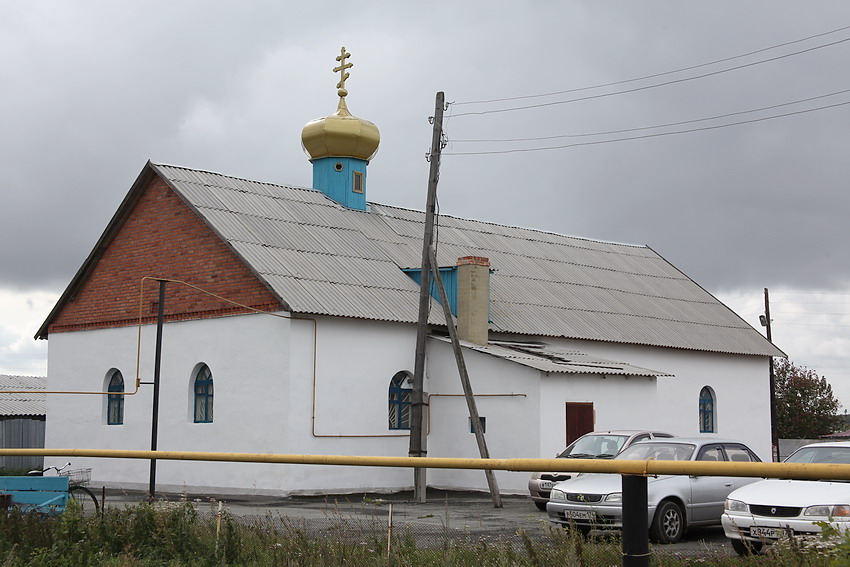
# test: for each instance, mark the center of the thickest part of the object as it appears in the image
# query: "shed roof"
(557, 360)
(321, 258)
(28, 404)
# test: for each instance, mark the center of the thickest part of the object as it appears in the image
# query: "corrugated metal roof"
(551, 358)
(322, 258)
(34, 403)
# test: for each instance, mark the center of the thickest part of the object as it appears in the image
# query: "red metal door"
(579, 419)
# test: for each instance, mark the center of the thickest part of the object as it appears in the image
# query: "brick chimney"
(473, 299)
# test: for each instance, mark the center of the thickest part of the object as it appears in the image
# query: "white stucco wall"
(741, 385)
(319, 386)
(248, 356)
(506, 394)
(355, 361)
(619, 402)
(277, 390)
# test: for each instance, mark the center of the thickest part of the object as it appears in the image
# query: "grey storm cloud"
(92, 91)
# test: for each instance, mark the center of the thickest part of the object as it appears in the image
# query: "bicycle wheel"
(85, 499)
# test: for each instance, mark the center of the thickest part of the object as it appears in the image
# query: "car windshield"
(821, 455)
(595, 446)
(658, 450)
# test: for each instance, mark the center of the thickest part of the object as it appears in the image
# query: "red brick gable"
(161, 237)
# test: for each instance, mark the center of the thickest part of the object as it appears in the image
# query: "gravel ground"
(447, 515)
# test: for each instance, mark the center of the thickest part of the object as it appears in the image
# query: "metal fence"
(20, 432)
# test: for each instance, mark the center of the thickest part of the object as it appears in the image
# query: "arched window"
(203, 395)
(401, 390)
(706, 411)
(115, 402)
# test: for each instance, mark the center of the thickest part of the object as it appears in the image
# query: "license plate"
(546, 484)
(767, 533)
(579, 515)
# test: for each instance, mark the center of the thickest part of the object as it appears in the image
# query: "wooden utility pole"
(464, 381)
(774, 435)
(418, 429)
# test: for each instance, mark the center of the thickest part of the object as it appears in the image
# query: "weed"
(177, 535)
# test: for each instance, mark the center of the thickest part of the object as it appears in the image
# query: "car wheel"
(668, 525)
(540, 505)
(742, 547)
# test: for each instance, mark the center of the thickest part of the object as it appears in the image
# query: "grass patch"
(182, 534)
(13, 472)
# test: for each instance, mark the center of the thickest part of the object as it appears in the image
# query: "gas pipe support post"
(160, 318)
(635, 521)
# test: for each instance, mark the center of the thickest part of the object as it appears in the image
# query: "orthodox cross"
(341, 69)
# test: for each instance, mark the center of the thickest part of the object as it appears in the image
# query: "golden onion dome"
(341, 134)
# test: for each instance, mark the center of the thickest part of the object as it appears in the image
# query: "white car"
(675, 502)
(762, 512)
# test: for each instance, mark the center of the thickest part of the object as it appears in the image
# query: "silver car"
(675, 502)
(596, 445)
(767, 510)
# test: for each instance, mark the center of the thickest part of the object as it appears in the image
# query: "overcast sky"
(90, 90)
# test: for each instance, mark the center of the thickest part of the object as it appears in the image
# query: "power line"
(811, 302)
(793, 292)
(637, 129)
(810, 313)
(813, 325)
(815, 292)
(647, 87)
(597, 142)
(692, 67)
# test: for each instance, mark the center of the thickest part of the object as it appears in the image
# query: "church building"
(290, 322)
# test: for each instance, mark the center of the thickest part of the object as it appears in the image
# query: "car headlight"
(614, 497)
(840, 512)
(557, 495)
(734, 505)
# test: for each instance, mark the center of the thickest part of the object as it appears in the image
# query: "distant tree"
(805, 405)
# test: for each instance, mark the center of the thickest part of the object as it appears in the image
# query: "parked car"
(675, 502)
(596, 445)
(762, 512)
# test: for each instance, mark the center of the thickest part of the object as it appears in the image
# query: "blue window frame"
(706, 411)
(203, 395)
(400, 393)
(115, 402)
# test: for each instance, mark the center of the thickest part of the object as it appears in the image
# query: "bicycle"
(77, 481)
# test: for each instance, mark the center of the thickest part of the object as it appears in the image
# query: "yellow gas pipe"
(649, 467)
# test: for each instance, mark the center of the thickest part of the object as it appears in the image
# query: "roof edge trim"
(103, 242)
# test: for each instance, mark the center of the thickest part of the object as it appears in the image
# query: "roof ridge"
(384, 205)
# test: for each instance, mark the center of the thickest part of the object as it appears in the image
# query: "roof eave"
(102, 244)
